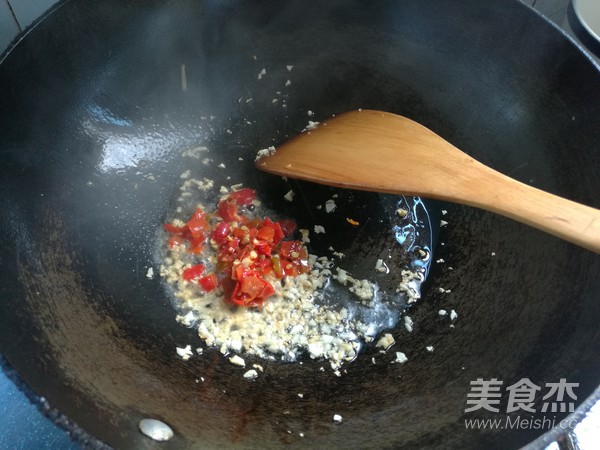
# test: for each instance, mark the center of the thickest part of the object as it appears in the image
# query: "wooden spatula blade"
(383, 152)
(370, 150)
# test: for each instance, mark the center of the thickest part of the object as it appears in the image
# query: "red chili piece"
(193, 272)
(248, 250)
(209, 282)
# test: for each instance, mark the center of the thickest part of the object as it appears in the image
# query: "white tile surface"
(8, 26)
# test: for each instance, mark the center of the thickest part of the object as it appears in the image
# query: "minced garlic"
(237, 361)
(293, 321)
(185, 353)
(386, 341)
(319, 229)
(400, 358)
(265, 152)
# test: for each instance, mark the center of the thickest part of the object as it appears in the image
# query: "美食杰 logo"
(488, 395)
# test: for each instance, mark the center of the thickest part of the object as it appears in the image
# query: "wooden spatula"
(383, 152)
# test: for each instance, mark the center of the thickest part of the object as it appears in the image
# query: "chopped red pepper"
(288, 227)
(252, 290)
(266, 233)
(263, 248)
(175, 241)
(209, 282)
(173, 229)
(243, 197)
(293, 249)
(228, 211)
(193, 272)
(194, 232)
(273, 231)
(221, 232)
(197, 223)
(249, 251)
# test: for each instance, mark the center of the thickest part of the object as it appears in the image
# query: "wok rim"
(81, 436)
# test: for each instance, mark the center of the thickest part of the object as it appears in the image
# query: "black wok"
(93, 121)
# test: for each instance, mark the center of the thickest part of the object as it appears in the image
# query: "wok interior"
(93, 123)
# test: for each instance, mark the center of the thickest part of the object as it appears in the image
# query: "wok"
(94, 118)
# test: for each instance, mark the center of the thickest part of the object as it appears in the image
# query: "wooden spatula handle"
(558, 216)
